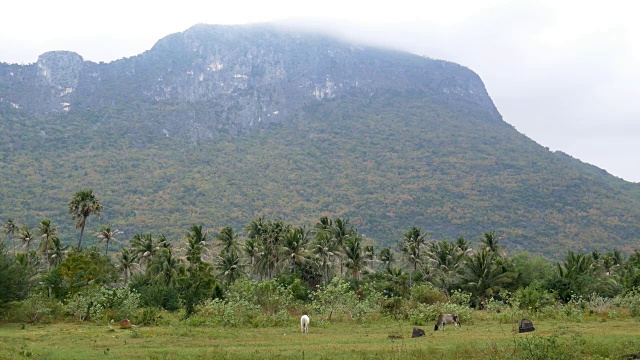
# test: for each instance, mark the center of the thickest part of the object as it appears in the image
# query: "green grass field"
(590, 339)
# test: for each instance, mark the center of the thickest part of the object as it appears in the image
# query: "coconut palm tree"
(106, 235)
(387, 257)
(228, 240)
(413, 242)
(230, 266)
(57, 251)
(251, 250)
(83, 204)
(354, 257)
(325, 250)
(144, 247)
(165, 267)
(484, 275)
(47, 232)
(10, 229)
(294, 248)
(26, 236)
(127, 264)
(196, 242)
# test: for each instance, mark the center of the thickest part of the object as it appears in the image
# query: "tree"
(228, 239)
(107, 234)
(83, 204)
(10, 229)
(325, 250)
(14, 279)
(196, 242)
(144, 247)
(485, 276)
(413, 240)
(26, 236)
(294, 248)
(127, 264)
(355, 260)
(47, 232)
(387, 257)
(230, 266)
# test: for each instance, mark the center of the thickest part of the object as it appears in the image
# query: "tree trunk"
(80, 240)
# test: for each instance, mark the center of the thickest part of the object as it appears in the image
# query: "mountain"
(219, 125)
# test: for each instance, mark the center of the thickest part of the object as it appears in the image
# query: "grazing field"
(613, 339)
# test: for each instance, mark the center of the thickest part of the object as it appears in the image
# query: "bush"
(424, 314)
(533, 297)
(427, 294)
(36, 309)
(96, 304)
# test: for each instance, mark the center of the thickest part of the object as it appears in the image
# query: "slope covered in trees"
(180, 135)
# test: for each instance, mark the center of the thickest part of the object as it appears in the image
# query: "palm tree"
(445, 260)
(324, 249)
(228, 239)
(485, 276)
(83, 204)
(144, 247)
(491, 242)
(412, 242)
(294, 248)
(57, 251)
(107, 235)
(127, 264)
(47, 233)
(165, 267)
(10, 229)
(230, 266)
(251, 250)
(26, 236)
(196, 242)
(353, 255)
(387, 257)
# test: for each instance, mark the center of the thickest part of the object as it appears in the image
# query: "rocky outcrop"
(235, 78)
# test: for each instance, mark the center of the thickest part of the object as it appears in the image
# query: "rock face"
(233, 78)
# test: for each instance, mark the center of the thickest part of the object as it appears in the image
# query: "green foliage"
(533, 297)
(270, 296)
(15, 279)
(36, 309)
(103, 304)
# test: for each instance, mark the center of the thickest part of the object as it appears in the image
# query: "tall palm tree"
(196, 242)
(165, 267)
(230, 266)
(10, 229)
(251, 250)
(355, 260)
(107, 234)
(491, 242)
(57, 251)
(228, 240)
(47, 232)
(294, 248)
(485, 276)
(26, 236)
(445, 260)
(83, 204)
(144, 247)
(127, 264)
(413, 241)
(387, 257)
(325, 251)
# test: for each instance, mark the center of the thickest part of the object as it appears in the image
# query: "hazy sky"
(565, 73)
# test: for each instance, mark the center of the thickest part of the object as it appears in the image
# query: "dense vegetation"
(384, 163)
(270, 269)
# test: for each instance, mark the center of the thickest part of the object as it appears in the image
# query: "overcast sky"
(565, 73)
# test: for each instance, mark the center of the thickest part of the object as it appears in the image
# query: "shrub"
(427, 294)
(36, 309)
(98, 303)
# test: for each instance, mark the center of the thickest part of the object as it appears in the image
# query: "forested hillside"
(162, 154)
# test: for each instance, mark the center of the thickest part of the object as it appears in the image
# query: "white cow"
(304, 324)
